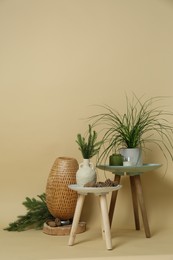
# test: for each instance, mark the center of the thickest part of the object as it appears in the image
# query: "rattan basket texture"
(60, 200)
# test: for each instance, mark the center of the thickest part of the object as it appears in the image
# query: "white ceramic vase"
(133, 156)
(86, 173)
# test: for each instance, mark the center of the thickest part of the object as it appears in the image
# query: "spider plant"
(88, 145)
(143, 122)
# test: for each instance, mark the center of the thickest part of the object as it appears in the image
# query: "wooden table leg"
(105, 219)
(113, 200)
(135, 202)
(78, 210)
(142, 204)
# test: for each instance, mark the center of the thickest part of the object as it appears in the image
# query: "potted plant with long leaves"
(89, 146)
(143, 122)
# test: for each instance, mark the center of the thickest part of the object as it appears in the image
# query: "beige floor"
(127, 245)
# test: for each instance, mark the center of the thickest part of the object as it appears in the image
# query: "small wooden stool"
(101, 193)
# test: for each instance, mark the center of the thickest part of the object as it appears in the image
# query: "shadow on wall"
(159, 198)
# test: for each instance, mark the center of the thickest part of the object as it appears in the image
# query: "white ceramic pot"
(85, 173)
(132, 156)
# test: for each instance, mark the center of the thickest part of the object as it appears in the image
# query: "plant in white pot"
(89, 146)
(144, 121)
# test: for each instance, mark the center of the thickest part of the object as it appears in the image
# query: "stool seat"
(101, 193)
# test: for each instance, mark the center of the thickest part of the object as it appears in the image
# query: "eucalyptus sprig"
(88, 145)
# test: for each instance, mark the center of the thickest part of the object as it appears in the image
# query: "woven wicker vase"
(60, 200)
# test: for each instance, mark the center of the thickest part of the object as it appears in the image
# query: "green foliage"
(143, 122)
(37, 214)
(89, 147)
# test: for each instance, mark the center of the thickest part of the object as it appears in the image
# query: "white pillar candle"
(128, 163)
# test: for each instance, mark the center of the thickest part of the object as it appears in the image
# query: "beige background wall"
(57, 59)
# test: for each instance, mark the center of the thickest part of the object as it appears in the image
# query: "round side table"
(101, 193)
(134, 173)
